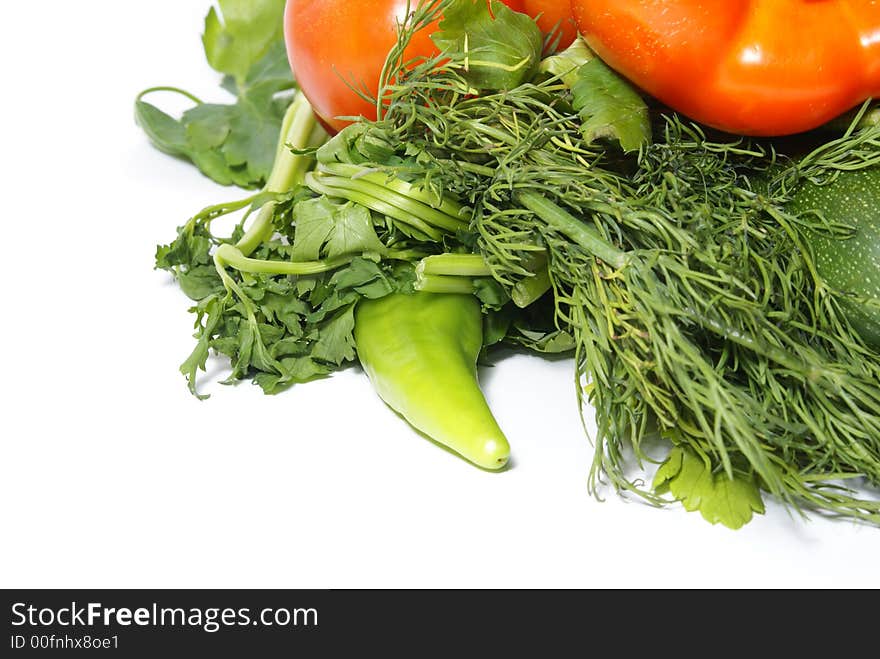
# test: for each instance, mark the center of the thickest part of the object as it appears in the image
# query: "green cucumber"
(852, 265)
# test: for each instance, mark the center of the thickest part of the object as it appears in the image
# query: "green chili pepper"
(420, 351)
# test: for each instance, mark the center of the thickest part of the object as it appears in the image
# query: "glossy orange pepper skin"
(752, 67)
(554, 18)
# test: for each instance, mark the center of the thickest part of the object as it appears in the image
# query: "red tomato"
(753, 67)
(336, 43)
(516, 5)
(554, 17)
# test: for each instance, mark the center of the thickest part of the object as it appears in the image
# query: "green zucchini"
(849, 265)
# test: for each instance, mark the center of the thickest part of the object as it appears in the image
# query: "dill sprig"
(687, 286)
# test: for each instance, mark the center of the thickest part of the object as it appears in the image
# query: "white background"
(112, 475)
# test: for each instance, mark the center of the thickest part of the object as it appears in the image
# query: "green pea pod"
(420, 351)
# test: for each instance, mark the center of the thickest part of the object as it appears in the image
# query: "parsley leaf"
(502, 48)
(200, 282)
(210, 310)
(366, 278)
(326, 228)
(280, 330)
(719, 498)
(336, 342)
(236, 143)
(239, 34)
(610, 107)
(165, 132)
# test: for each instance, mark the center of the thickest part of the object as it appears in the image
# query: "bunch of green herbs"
(688, 287)
(585, 220)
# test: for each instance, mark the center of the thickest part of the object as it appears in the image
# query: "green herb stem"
(474, 168)
(173, 90)
(229, 255)
(322, 185)
(408, 255)
(444, 284)
(210, 213)
(403, 202)
(395, 184)
(462, 265)
(299, 130)
(564, 222)
(260, 230)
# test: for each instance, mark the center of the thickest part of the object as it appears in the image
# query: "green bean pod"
(420, 351)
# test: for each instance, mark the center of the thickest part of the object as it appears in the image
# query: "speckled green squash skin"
(851, 265)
